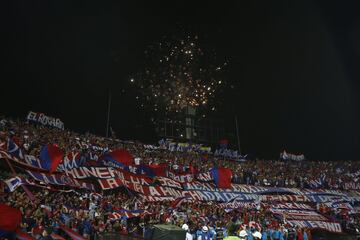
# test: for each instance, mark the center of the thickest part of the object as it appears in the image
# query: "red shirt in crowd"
(38, 230)
(300, 235)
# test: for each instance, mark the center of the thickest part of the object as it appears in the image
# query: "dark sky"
(294, 66)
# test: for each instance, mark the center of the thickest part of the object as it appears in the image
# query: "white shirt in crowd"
(188, 236)
(92, 206)
(201, 238)
(137, 161)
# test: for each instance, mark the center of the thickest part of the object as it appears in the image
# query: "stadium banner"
(30, 162)
(71, 160)
(60, 179)
(352, 185)
(152, 170)
(86, 145)
(12, 184)
(228, 153)
(244, 192)
(328, 226)
(290, 205)
(144, 198)
(317, 183)
(170, 145)
(321, 192)
(92, 172)
(200, 195)
(230, 196)
(354, 174)
(294, 157)
(320, 183)
(123, 175)
(339, 205)
(150, 147)
(145, 190)
(329, 198)
(183, 178)
(159, 191)
(111, 172)
(14, 153)
(284, 198)
(196, 185)
(219, 196)
(239, 204)
(45, 120)
(291, 214)
(20, 161)
(256, 204)
(205, 177)
(355, 210)
(189, 177)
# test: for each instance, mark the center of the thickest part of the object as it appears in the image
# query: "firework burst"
(178, 74)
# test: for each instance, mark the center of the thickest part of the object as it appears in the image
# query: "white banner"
(294, 157)
(45, 120)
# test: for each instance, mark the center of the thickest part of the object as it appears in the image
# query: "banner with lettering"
(110, 178)
(74, 160)
(200, 188)
(45, 120)
(291, 214)
(170, 145)
(21, 162)
(294, 157)
(352, 185)
(124, 176)
(328, 226)
(13, 183)
(61, 180)
(229, 154)
(181, 177)
(239, 204)
(290, 205)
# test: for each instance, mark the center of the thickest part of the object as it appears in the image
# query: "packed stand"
(90, 216)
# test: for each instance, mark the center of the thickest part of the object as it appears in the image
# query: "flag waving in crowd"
(50, 157)
(10, 219)
(222, 177)
(120, 158)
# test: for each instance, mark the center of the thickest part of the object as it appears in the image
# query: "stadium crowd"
(90, 215)
(329, 175)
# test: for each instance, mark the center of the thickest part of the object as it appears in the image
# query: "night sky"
(294, 66)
